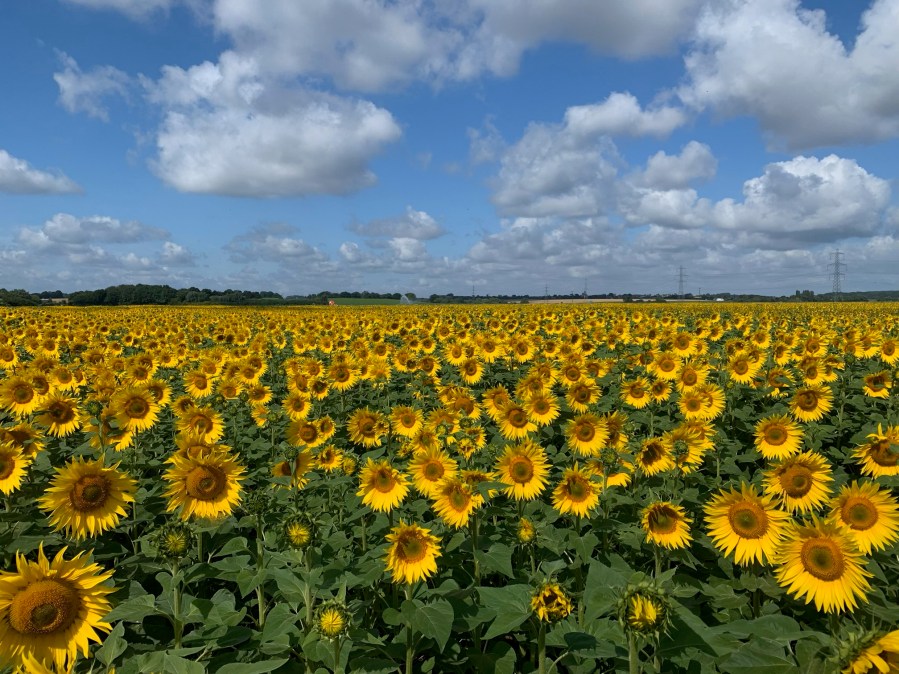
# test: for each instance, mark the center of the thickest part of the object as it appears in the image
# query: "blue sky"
(414, 145)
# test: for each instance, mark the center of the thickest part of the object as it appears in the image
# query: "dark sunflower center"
(23, 394)
(822, 558)
(61, 413)
(651, 453)
(517, 418)
(308, 433)
(367, 427)
(90, 493)
(412, 549)
(741, 367)
(581, 394)
(137, 408)
(859, 513)
(585, 432)
(636, 391)
(666, 365)
(748, 520)
(471, 368)
(775, 435)
(7, 465)
(807, 401)
(44, 607)
(521, 470)
(433, 471)
(883, 454)
(459, 499)
(341, 374)
(206, 483)
(578, 489)
(796, 481)
(383, 480)
(876, 383)
(689, 378)
(663, 520)
(541, 406)
(693, 404)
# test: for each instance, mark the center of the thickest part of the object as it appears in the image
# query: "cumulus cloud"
(64, 231)
(275, 242)
(86, 92)
(17, 176)
(776, 61)
(412, 224)
(621, 115)
(676, 172)
(229, 130)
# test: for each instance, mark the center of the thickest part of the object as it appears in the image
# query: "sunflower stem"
(633, 655)
(176, 606)
(410, 643)
(200, 547)
(541, 648)
(337, 668)
(260, 565)
(307, 589)
(364, 534)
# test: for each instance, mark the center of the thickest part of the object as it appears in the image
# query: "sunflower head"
(297, 531)
(645, 609)
(526, 531)
(550, 602)
(174, 540)
(866, 652)
(332, 619)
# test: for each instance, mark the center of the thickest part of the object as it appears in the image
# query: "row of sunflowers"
(510, 489)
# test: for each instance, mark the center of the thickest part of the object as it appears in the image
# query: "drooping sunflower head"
(868, 652)
(880, 455)
(52, 610)
(878, 384)
(412, 554)
(13, 466)
(550, 602)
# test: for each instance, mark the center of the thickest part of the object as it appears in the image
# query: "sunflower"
(582, 395)
(19, 395)
(428, 468)
(586, 434)
(304, 433)
(877, 654)
(13, 465)
(713, 401)
(665, 366)
(49, 611)
(742, 368)
(332, 619)
(455, 500)
(868, 513)
(746, 524)
(551, 603)
(686, 446)
(615, 423)
(878, 384)
(800, 481)
(413, 553)
(329, 458)
(24, 437)
(654, 457)
(666, 524)
(367, 427)
(576, 493)
(692, 404)
(204, 422)
(524, 468)
(134, 408)
(204, 484)
(820, 562)
(381, 486)
(542, 408)
(777, 437)
(198, 385)
(85, 498)
(59, 415)
(691, 374)
(495, 399)
(811, 403)
(636, 393)
(406, 421)
(880, 455)
(514, 423)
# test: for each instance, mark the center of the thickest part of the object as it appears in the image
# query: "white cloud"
(66, 232)
(412, 224)
(274, 242)
(17, 176)
(775, 60)
(485, 146)
(672, 172)
(228, 130)
(85, 91)
(621, 115)
(176, 255)
(807, 200)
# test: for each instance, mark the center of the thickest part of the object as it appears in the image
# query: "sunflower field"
(507, 489)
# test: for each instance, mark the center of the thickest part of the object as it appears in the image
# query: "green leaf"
(260, 667)
(113, 646)
(512, 605)
(162, 661)
(601, 590)
(759, 656)
(134, 609)
(435, 620)
(498, 558)
(234, 545)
